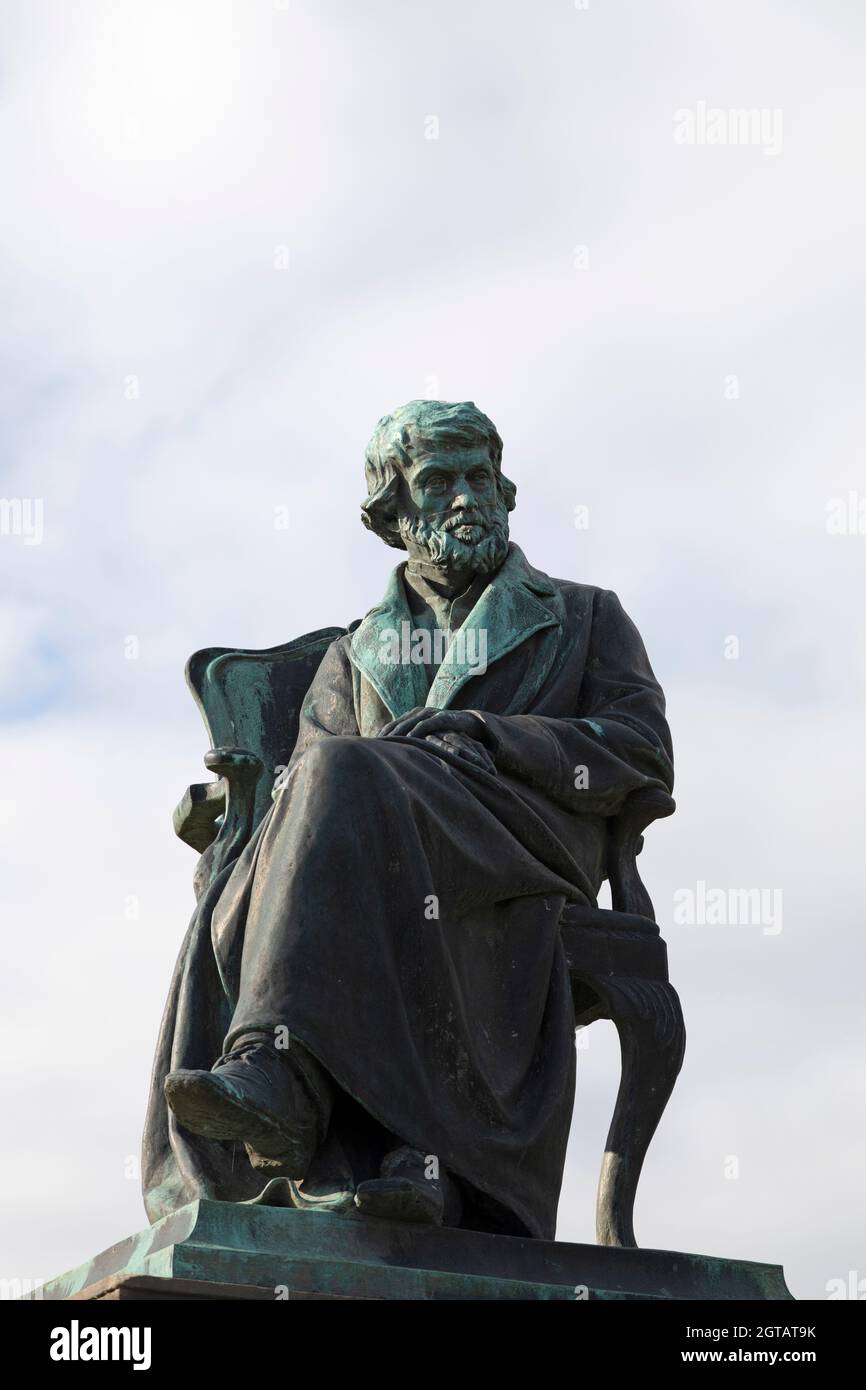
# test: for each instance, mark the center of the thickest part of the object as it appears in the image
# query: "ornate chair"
(250, 702)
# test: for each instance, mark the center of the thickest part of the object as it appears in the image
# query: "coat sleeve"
(616, 742)
(328, 706)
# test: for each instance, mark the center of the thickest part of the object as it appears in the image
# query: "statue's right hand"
(460, 732)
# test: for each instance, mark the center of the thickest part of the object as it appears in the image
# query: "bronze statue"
(375, 1006)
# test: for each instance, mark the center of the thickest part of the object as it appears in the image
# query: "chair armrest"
(197, 815)
(625, 843)
(216, 818)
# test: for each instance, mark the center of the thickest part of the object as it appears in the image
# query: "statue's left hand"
(463, 732)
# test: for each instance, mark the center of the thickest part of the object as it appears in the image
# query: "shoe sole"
(399, 1199)
(202, 1105)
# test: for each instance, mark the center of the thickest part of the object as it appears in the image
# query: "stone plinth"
(211, 1250)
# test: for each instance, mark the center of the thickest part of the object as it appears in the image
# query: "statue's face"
(458, 486)
(452, 513)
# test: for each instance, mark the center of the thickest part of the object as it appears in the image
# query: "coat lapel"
(517, 603)
(401, 685)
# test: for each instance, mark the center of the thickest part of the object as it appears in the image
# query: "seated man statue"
(388, 941)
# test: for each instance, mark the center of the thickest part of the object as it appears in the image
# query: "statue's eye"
(436, 483)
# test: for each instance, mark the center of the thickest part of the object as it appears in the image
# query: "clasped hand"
(459, 731)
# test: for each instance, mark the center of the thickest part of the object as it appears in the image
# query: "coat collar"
(518, 602)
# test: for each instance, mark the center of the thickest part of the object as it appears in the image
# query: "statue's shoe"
(255, 1095)
(404, 1192)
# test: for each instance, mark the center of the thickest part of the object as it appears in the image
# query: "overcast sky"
(236, 235)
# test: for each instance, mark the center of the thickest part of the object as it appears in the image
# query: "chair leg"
(652, 1038)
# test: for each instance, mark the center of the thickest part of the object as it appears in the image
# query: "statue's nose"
(463, 500)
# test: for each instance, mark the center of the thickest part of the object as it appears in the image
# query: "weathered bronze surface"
(396, 928)
(222, 1250)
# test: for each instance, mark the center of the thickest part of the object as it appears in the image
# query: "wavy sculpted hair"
(417, 427)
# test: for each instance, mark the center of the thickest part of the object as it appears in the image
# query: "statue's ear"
(385, 527)
(380, 512)
(389, 532)
(508, 491)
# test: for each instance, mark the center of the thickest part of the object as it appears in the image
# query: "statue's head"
(436, 487)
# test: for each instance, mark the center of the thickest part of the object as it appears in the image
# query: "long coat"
(397, 910)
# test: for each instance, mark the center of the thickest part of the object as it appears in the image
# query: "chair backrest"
(252, 699)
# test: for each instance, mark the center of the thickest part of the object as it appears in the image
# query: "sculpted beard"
(475, 538)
